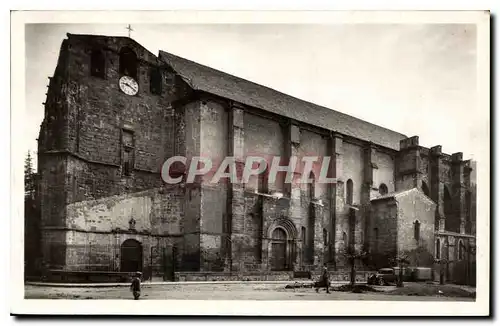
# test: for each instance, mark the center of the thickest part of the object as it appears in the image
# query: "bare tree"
(352, 255)
(401, 260)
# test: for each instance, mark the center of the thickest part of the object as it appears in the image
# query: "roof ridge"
(275, 90)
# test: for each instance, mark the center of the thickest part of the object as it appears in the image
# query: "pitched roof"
(203, 78)
(401, 193)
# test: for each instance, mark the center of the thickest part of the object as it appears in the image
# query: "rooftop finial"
(129, 28)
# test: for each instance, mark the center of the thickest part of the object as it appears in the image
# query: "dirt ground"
(240, 291)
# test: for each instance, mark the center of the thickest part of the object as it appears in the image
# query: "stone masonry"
(105, 207)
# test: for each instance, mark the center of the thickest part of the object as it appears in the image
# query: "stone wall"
(81, 148)
(414, 207)
(384, 232)
(86, 196)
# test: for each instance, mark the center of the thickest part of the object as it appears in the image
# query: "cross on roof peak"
(130, 29)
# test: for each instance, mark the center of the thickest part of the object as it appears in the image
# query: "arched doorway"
(278, 249)
(131, 256)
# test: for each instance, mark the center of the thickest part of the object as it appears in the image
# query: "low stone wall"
(335, 276)
(64, 276)
(345, 276)
(228, 276)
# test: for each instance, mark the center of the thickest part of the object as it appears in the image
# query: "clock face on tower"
(128, 85)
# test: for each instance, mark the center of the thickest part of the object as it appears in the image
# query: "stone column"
(408, 165)
(334, 150)
(235, 217)
(459, 189)
(363, 217)
(436, 185)
(337, 199)
(292, 144)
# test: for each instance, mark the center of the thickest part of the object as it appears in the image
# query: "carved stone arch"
(282, 235)
(287, 225)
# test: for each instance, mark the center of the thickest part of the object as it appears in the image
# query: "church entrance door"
(278, 250)
(131, 256)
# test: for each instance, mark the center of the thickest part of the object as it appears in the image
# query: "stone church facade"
(105, 207)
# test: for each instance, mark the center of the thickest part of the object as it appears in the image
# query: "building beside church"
(115, 113)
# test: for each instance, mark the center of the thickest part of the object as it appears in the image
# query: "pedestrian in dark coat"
(135, 287)
(324, 280)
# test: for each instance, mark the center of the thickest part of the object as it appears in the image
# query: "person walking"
(324, 280)
(135, 287)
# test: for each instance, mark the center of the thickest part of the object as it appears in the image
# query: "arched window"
(416, 230)
(155, 80)
(446, 249)
(263, 183)
(352, 225)
(461, 250)
(344, 237)
(303, 235)
(468, 210)
(382, 189)
(425, 189)
(311, 186)
(438, 249)
(325, 237)
(128, 63)
(349, 190)
(97, 63)
(450, 223)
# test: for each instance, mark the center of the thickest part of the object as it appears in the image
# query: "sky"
(416, 79)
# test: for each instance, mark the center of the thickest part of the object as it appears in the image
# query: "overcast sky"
(415, 79)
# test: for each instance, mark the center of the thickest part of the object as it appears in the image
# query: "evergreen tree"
(29, 176)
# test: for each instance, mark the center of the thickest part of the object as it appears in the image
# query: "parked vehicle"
(384, 276)
(389, 275)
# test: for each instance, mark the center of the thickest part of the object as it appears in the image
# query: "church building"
(115, 113)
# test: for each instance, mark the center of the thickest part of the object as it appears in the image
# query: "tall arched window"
(312, 186)
(344, 238)
(446, 249)
(450, 223)
(303, 236)
(438, 249)
(425, 189)
(155, 80)
(382, 189)
(128, 62)
(97, 63)
(468, 210)
(461, 250)
(262, 182)
(349, 192)
(416, 230)
(325, 237)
